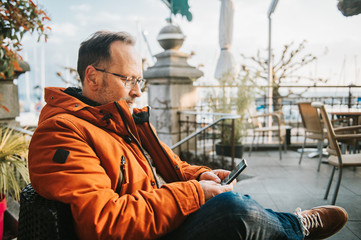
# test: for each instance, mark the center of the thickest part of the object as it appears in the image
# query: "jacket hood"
(113, 116)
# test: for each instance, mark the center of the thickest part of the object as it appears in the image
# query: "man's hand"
(214, 175)
(211, 188)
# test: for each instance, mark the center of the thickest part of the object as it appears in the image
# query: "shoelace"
(309, 221)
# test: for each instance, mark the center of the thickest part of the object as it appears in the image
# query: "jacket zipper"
(121, 175)
(137, 142)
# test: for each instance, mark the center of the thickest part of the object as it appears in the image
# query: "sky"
(332, 37)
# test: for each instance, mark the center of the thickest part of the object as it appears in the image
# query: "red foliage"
(17, 18)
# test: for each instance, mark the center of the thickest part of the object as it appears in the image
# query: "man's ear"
(91, 78)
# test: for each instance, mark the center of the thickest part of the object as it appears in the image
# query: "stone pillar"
(170, 84)
(9, 98)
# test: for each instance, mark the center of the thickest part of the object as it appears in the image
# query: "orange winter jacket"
(93, 159)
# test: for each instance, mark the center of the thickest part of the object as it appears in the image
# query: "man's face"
(124, 61)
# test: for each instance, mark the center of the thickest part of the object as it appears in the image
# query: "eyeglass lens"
(130, 82)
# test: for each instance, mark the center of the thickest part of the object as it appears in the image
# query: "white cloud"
(81, 8)
(65, 29)
(61, 32)
(108, 17)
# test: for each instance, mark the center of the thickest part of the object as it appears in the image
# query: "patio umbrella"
(226, 62)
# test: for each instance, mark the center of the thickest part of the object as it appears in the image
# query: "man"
(92, 150)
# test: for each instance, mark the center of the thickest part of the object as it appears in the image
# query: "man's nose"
(135, 91)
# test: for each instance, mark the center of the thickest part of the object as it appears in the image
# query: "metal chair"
(278, 128)
(337, 159)
(43, 219)
(313, 128)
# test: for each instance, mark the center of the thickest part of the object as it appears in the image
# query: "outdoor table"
(355, 114)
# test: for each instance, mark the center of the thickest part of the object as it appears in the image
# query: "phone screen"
(235, 172)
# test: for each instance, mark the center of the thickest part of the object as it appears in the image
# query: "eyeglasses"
(129, 82)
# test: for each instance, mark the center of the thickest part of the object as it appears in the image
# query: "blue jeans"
(232, 216)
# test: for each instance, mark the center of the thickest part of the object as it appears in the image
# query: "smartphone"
(235, 172)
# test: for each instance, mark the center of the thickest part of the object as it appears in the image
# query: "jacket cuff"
(189, 195)
(200, 171)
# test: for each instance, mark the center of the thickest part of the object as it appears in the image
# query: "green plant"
(179, 7)
(13, 165)
(236, 96)
(17, 18)
(349, 7)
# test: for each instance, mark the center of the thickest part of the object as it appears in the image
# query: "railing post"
(195, 142)
(213, 143)
(179, 130)
(204, 140)
(222, 137)
(349, 96)
(187, 131)
(233, 143)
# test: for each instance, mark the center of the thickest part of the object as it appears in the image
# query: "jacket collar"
(77, 92)
(110, 116)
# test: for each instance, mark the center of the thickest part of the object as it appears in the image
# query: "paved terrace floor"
(283, 185)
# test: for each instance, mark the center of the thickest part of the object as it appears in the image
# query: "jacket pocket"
(123, 175)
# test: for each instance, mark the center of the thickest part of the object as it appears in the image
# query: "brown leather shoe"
(322, 222)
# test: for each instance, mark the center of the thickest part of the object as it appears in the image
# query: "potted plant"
(236, 96)
(13, 166)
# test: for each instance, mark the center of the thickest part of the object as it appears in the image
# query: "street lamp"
(271, 9)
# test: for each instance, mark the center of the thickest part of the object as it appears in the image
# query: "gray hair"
(96, 49)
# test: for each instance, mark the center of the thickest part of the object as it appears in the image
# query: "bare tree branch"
(291, 60)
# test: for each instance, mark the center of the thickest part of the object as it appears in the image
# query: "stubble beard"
(106, 96)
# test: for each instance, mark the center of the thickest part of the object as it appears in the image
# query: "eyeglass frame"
(139, 81)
